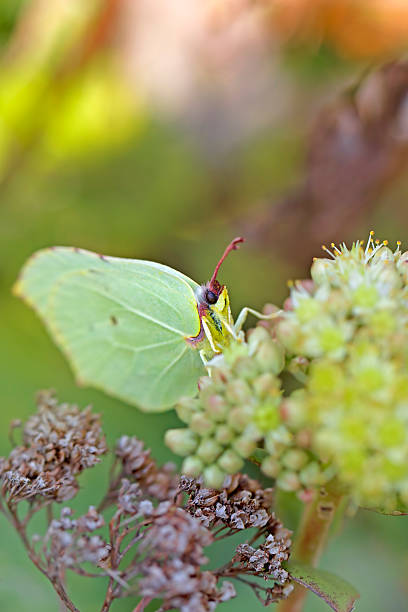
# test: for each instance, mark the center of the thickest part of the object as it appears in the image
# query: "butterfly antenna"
(231, 247)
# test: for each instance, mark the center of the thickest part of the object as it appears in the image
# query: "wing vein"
(171, 364)
(138, 313)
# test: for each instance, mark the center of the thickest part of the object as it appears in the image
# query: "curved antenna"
(231, 247)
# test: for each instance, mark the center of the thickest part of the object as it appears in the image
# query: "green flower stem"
(311, 539)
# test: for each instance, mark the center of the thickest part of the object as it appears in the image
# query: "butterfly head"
(214, 308)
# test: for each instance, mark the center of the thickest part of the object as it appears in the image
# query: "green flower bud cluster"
(351, 330)
(234, 409)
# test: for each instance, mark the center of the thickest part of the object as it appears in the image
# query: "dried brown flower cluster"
(174, 549)
(241, 504)
(59, 442)
(154, 545)
(136, 462)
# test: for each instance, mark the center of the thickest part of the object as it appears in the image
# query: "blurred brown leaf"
(358, 146)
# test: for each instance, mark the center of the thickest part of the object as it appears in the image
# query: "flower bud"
(270, 467)
(239, 418)
(181, 441)
(230, 462)
(266, 415)
(224, 434)
(192, 466)
(265, 384)
(244, 446)
(214, 477)
(311, 475)
(209, 450)
(321, 271)
(216, 407)
(238, 391)
(288, 481)
(186, 407)
(256, 338)
(201, 424)
(294, 459)
(271, 356)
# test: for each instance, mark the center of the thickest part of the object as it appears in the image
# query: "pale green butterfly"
(136, 329)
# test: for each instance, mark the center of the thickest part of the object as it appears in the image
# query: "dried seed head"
(138, 466)
(173, 553)
(59, 442)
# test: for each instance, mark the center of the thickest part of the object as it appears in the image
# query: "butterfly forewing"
(121, 323)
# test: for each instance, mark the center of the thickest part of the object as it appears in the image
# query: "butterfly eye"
(210, 297)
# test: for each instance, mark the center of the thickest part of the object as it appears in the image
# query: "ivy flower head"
(351, 329)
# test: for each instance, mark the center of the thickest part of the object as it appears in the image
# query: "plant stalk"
(310, 541)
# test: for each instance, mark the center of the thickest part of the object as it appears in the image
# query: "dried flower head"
(241, 504)
(138, 466)
(154, 544)
(69, 542)
(59, 442)
(171, 570)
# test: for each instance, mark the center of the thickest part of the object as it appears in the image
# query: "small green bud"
(246, 368)
(288, 481)
(252, 432)
(256, 338)
(392, 433)
(331, 338)
(186, 407)
(217, 407)
(324, 377)
(209, 450)
(224, 434)
(230, 462)
(244, 446)
(289, 332)
(294, 459)
(214, 477)
(238, 392)
(192, 466)
(239, 418)
(277, 439)
(202, 424)
(271, 356)
(270, 467)
(265, 384)
(308, 309)
(181, 441)
(402, 266)
(382, 323)
(235, 351)
(311, 475)
(266, 416)
(321, 271)
(365, 296)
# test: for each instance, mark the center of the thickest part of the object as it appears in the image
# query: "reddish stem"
(142, 604)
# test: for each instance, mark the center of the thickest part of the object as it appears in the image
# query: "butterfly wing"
(122, 323)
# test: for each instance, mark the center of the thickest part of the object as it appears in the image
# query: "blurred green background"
(138, 131)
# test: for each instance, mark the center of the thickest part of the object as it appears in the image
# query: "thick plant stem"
(310, 541)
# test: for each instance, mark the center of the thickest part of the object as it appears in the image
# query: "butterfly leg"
(259, 315)
(203, 357)
(209, 336)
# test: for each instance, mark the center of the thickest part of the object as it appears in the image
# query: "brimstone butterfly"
(136, 329)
